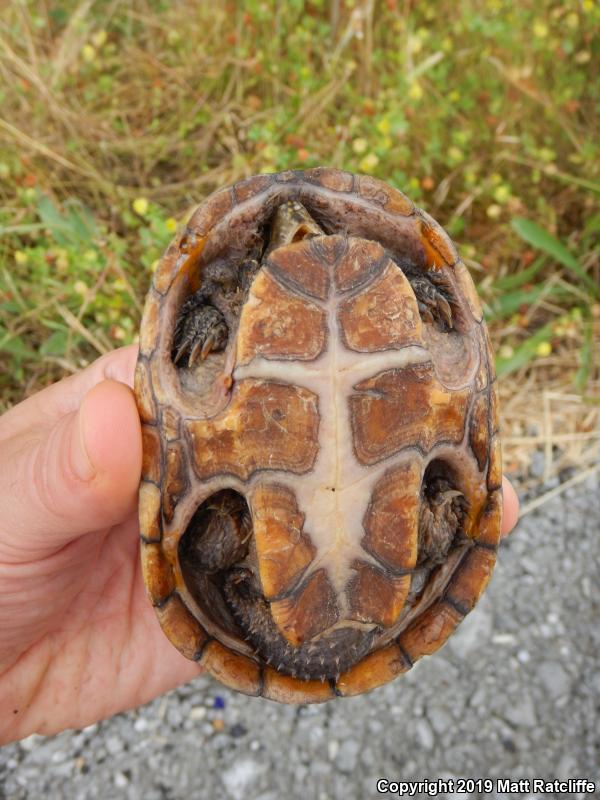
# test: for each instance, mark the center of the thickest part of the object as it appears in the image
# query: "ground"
(514, 693)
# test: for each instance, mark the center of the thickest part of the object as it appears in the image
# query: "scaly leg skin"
(200, 329)
(219, 534)
(431, 299)
(207, 316)
(440, 523)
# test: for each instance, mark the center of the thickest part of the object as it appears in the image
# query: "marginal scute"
(430, 630)
(376, 596)
(470, 579)
(175, 479)
(490, 520)
(468, 290)
(150, 330)
(232, 669)
(182, 628)
(266, 426)
(390, 199)
(149, 512)
(391, 521)
(283, 550)
(494, 477)
(167, 270)
(246, 190)
(494, 412)
(143, 394)
(333, 179)
(276, 323)
(151, 454)
(405, 408)
(479, 429)
(157, 573)
(211, 212)
(374, 670)
(437, 244)
(383, 316)
(308, 611)
(287, 689)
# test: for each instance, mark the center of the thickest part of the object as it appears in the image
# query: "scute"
(337, 410)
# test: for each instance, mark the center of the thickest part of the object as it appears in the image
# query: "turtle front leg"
(433, 305)
(200, 329)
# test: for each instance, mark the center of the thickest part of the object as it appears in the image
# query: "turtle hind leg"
(218, 534)
(440, 523)
(200, 329)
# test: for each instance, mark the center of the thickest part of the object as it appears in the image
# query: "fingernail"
(80, 460)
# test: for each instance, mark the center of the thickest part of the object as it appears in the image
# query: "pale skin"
(80, 640)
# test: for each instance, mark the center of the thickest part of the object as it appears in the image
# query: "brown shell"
(259, 433)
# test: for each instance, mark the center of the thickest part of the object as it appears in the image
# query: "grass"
(116, 119)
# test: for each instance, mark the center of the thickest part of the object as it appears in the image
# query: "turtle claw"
(200, 330)
(431, 301)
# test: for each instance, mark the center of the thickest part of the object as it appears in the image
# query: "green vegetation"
(116, 119)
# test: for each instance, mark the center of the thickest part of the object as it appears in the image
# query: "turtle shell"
(344, 439)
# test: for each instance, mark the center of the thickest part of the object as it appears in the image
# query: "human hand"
(80, 641)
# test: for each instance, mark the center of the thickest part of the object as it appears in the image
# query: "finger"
(510, 511)
(47, 406)
(81, 474)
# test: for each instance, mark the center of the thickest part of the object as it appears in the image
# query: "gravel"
(515, 693)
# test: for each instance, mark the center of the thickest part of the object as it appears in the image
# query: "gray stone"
(425, 734)
(473, 632)
(521, 712)
(347, 755)
(242, 776)
(538, 464)
(441, 720)
(555, 678)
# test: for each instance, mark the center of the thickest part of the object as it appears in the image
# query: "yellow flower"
(501, 193)
(20, 257)
(543, 349)
(99, 38)
(572, 20)
(493, 211)
(384, 126)
(88, 53)
(368, 163)
(140, 206)
(171, 224)
(415, 92)
(540, 29)
(359, 145)
(415, 44)
(80, 288)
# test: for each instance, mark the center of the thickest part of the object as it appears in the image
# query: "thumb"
(79, 474)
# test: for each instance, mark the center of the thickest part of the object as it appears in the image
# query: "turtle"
(320, 502)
